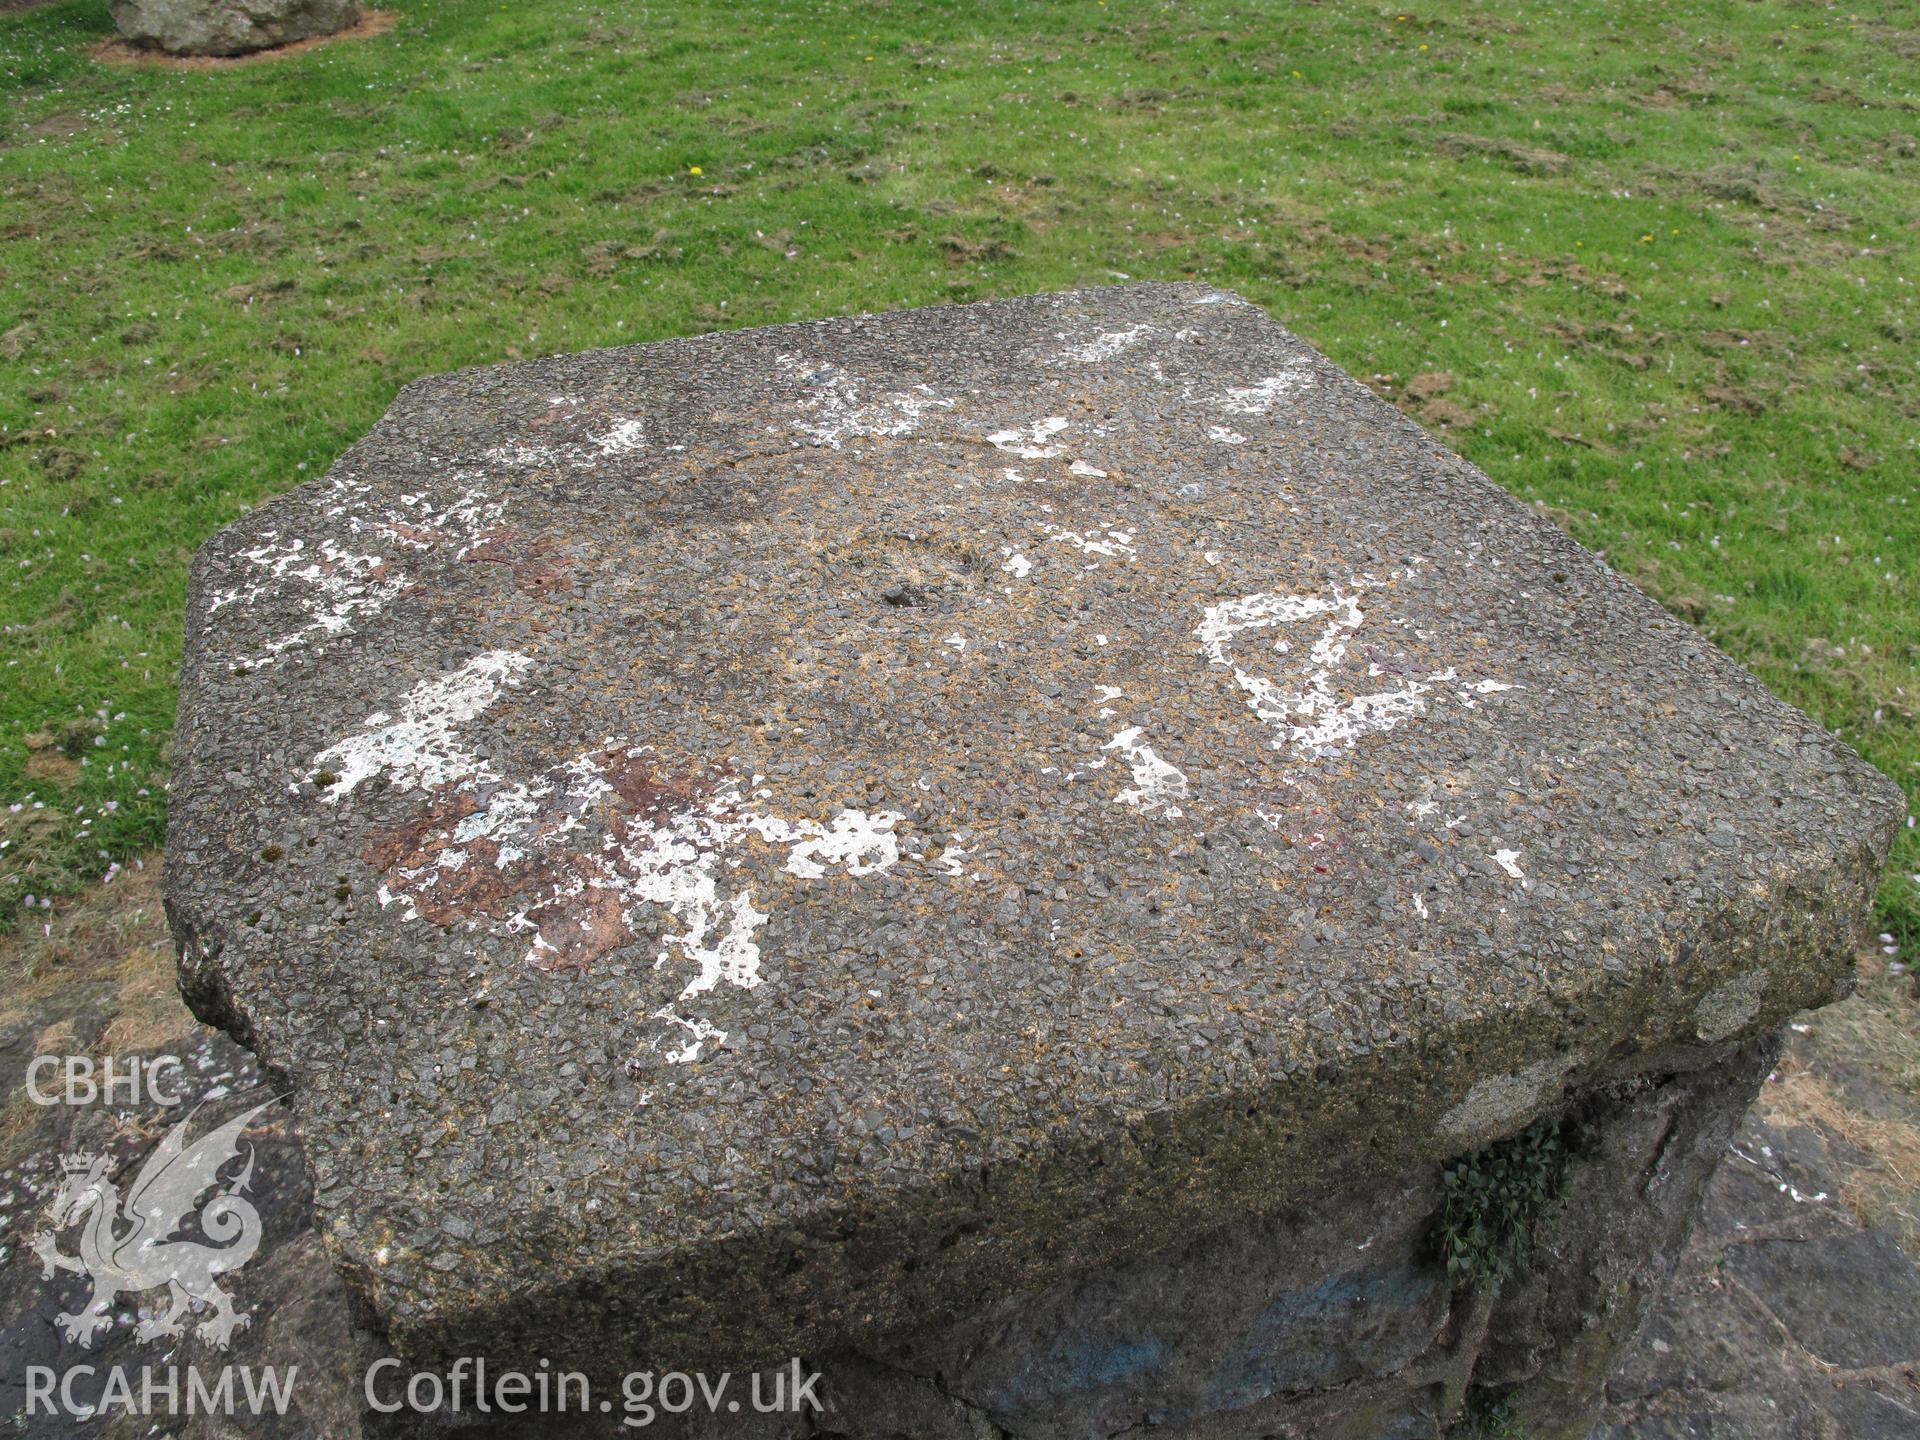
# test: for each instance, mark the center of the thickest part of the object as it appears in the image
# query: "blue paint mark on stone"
(1078, 1369)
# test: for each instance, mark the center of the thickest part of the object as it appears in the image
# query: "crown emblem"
(78, 1163)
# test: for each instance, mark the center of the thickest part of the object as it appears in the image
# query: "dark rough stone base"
(1335, 1321)
(1601, 1255)
(1789, 1318)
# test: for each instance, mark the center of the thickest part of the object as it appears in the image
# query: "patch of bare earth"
(1851, 1072)
(113, 934)
(98, 984)
(115, 51)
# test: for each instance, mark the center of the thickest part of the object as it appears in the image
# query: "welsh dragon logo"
(128, 1245)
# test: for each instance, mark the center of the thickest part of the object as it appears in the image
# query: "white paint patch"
(1222, 435)
(861, 842)
(532, 454)
(338, 586)
(332, 586)
(624, 435)
(1509, 861)
(1016, 565)
(673, 861)
(1081, 467)
(1306, 711)
(837, 413)
(1157, 784)
(1105, 347)
(419, 747)
(1220, 623)
(1260, 397)
(1109, 543)
(699, 1035)
(956, 640)
(1032, 442)
(951, 857)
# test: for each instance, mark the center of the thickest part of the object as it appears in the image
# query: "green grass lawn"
(1652, 267)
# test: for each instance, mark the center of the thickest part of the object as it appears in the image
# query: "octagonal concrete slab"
(742, 843)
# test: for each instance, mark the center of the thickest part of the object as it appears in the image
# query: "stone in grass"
(229, 27)
(751, 845)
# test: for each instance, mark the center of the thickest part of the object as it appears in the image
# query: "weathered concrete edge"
(997, 1226)
(1638, 1158)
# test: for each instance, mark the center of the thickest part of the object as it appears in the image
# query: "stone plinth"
(822, 839)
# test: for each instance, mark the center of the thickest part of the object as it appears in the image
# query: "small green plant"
(1492, 1198)
(1489, 1418)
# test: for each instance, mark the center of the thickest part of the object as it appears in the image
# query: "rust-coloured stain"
(538, 566)
(569, 894)
(645, 788)
(580, 928)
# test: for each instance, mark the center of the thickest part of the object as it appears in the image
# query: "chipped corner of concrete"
(891, 812)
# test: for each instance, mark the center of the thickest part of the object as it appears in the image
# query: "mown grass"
(1652, 267)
